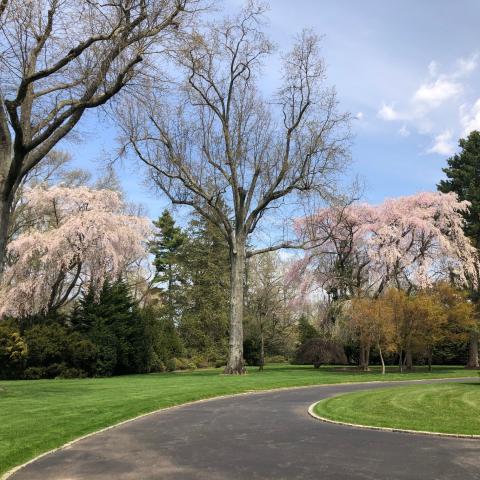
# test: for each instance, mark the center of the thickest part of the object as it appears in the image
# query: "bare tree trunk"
(5, 195)
(381, 359)
(367, 358)
(235, 362)
(408, 361)
(361, 357)
(4, 223)
(473, 351)
(364, 357)
(262, 352)
(429, 359)
(400, 361)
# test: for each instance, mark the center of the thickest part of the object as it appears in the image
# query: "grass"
(39, 415)
(443, 408)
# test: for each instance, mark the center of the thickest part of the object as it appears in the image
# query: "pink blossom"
(80, 237)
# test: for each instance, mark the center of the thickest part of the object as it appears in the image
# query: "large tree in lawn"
(463, 178)
(61, 58)
(222, 144)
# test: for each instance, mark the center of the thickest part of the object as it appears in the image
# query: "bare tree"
(61, 58)
(220, 142)
(271, 302)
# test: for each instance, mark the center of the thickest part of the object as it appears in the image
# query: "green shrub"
(170, 364)
(83, 354)
(184, 364)
(71, 372)
(47, 345)
(34, 373)
(200, 361)
(13, 350)
(275, 359)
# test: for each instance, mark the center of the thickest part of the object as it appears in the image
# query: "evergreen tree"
(112, 322)
(306, 330)
(204, 321)
(167, 248)
(463, 178)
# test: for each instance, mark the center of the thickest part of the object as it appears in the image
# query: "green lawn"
(445, 408)
(36, 416)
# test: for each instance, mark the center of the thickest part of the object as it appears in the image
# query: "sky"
(407, 71)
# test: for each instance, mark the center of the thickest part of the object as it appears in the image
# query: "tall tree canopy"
(167, 246)
(218, 142)
(62, 58)
(463, 178)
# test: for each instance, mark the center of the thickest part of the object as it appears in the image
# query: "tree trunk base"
(237, 370)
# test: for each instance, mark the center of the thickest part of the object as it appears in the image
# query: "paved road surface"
(262, 436)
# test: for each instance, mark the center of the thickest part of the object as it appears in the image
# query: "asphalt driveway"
(261, 436)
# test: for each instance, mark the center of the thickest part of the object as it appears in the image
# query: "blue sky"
(409, 72)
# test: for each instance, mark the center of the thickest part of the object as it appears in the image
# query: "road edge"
(13, 470)
(312, 413)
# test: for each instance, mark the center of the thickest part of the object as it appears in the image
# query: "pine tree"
(463, 178)
(167, 247)
(204, 321)
(113, 323)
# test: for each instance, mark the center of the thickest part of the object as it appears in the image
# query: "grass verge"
(39, 415)
(443, 408)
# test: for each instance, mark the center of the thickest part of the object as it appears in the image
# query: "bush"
(35, 373)
(220, 363)
(184, 364)
(13, 350)
(47, 345)
(275, 359)
(83, 354)
(71, 372)
(318, 351)
(170, 365)
(201, 362)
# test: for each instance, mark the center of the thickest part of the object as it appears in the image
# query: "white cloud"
(404, 131)
(443, 144)
(433, 68)
(467, 65)
(437, 92)
(470, 118)
(388, 113)
(359, 116)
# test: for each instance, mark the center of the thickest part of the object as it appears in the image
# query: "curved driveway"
(261, 436)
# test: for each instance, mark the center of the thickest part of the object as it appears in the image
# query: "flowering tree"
(62, 58)
(408, 242)
(80, 237)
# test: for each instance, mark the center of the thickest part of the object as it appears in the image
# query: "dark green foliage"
(167, 248)
(13, 350)
(319, 351)
(463, 178)
(203, 324)
(305, 329)
(160, 342)
(56, 351)
(47, 345)
(252, 350)
(114, 324)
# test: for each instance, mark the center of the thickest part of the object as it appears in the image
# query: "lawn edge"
(13, 470)
(312, 413)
